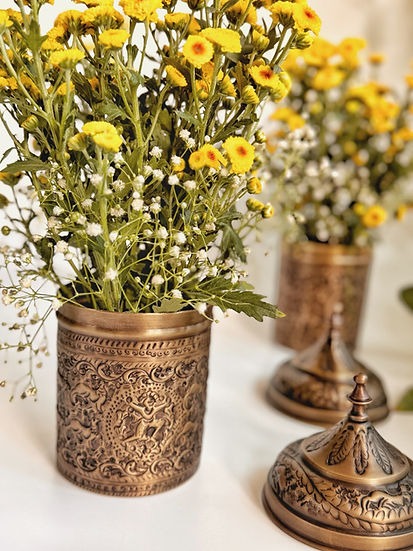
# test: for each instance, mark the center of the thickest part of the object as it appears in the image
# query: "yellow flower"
(5, 21)
(175, 76)
(78, 142)
(401, 212)
(289, 116)
(227, 87)
(283, 12)
(140, 9)
(267, 211)
(306, 19)
(66, 59)
(401, 136)
(254, 186)
(409, 81)
(327, 78)
(62, 89)
(260, 41)
(178, 21)
(249, 95)
(27, 82)
(240, 152)
(359, 209)
(241, 9)
(102, 15)
(31, 123)
(349, 49)
(374, 216)
(254, 205)
(226, 39)
(264, 76)
(113, 38)
(104, 135)
(94, 3)
(70, 21)
(376, 58)
(207, 155)
(198, 50)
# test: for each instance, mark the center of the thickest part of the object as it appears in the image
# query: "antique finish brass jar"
(314, 384)
(344, 489)
(314, 277)
(131, 398)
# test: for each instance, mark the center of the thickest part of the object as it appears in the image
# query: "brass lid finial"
(360, 399)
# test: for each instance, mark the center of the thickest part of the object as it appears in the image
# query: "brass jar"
(313, 278)
(130, 398)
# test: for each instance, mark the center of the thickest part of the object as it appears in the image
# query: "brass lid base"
(312, 414)
(324, 538)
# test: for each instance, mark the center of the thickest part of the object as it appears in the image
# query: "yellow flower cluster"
(104, 135)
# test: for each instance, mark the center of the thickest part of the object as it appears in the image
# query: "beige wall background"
(387, 25)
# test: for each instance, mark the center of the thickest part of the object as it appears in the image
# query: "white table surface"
(220, 507)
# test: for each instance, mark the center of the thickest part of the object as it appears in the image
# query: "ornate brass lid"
(314, 384)
(345, 488)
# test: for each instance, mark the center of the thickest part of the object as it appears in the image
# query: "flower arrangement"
(139, 133)
(344, 146)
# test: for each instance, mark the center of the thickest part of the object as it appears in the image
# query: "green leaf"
(188, 117)
(406, 402)
(31, 164)
(232, 243)
(169, 305)
(111, 110)
(406, 295)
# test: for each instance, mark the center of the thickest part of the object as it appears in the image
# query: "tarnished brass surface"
(314, 384)
(313, 278)
(130, 399)
(345, 488)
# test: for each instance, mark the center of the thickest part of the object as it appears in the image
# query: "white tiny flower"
(207, 139)
(137, 204)
(26, 282)
(210, 227)
(176, 293)
(180, 238)
(155, 207)
(157, 280)
(111, 274)
(6, 300)
(202, 255)
(81, 219)
(118, 158)
(139, 180)
(93, 229)
(162, 232)
(189, 185)
(147, 170)
(69, 256)
(190, 142)
(136, 195)
(62, 183)
(118, 185)
(184, 134)
(175, 160)
(184, 204)
(173, 180)
(117, 211)
(56, 304)
(142, 247)
(147, 233)
(53, 223)
(213, 271)
(96, 179)
(201, 307)
(113, 236)
(87, 203)
(186, 272)
(61, 247)
(57, 211)
(146, 216)
(158, 174)
(156, 152)
(175, 251)
(111, 171)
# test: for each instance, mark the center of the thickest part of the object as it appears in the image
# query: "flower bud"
(260, 137)
(249, 96)
(78, 142)
(259, 41)
(267, 211)
(303, 41)
(254, 205)
(254, 186)
(31, 123)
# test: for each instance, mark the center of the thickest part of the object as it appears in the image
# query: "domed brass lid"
(345, 488)
(314, 384)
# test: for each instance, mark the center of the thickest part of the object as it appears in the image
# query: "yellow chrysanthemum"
(254, 186)
(94, 3)
(113, 38)
(206, 156)
(70, 21)
(5, 21)
(283, 12)
(401, 136)
(376, 58)
(306, 19)
(254, 205)
(62, 89)
(241, 9)
(359, 209)
(319, 52)
(327, 78)
(27, 82)
(140, 9)
(264, 76)
(240, 152)
(10, 83)
(249, 95)
(66, 59)
(175, 76)
(374, 216)
(104, 135)
(227, 87)
(197, 50)
(178, 21)
(226, 39)
(102, 16)
(349, 49)
(15, 15)
(289, 116)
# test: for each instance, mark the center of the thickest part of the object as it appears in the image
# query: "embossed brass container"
(314, 277)
(345, 488)
(130, 398)
(314, 384)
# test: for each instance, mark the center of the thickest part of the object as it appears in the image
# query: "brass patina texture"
(131, 398)
(345, 488)
(313, 278)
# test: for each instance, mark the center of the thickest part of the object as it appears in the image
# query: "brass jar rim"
(128, 324)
